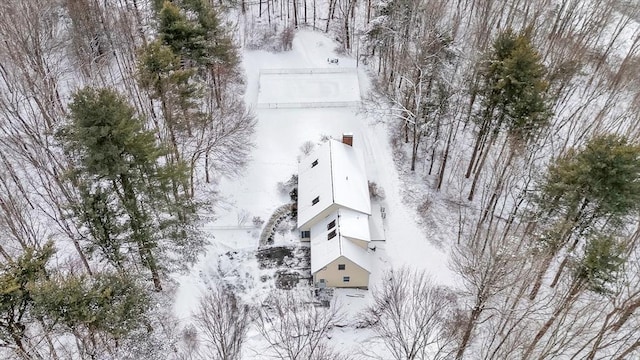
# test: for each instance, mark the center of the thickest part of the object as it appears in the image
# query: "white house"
(334, 211)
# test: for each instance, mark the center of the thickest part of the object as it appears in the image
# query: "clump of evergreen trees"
(133, 203)
(98, 309)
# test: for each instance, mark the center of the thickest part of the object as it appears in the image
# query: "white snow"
(353, 224)
(349, 177)
(349, 226)
(338, 177)
(324, 252)
(315, 185)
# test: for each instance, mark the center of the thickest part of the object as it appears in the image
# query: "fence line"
(298, 105)
(336, 70)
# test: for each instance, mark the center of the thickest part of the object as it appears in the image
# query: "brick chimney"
(347, 138)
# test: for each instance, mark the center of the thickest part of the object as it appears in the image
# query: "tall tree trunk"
(598, 340)
(626, 314)
(490, 209)
(543, 270)
(445, 157)
(564, 306)
(480, 141)
(140, 231)
(625, 354)
(295, 13)
(483, 159)
(434, 148)
(414, 146)
(470, 326)
(332, 4)
(169, 124)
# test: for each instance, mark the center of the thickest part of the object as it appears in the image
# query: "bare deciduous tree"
(295, 328)
(222, 322)
(409, 313)
(488, 267)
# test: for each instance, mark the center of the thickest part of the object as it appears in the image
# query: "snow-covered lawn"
(280, 133)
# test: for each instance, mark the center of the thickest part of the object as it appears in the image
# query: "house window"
(346, 278)
(306, 234)
(331, 225)
(331, 235)
(341, 266)
(314, 163)
(315, 201)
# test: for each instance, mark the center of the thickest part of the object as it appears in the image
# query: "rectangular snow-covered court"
(302, 88)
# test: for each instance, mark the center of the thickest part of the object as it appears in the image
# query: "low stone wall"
(269, 230)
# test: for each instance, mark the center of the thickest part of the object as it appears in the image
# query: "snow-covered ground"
(279, 135)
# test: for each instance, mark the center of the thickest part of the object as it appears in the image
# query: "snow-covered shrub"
(269, 37)
(376, 192)
(307, 147)
(286, 38)
(286, 187)
(257, 221)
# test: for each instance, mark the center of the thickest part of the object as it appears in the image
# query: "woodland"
(118, 116)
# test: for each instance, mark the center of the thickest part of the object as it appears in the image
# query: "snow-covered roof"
(331, 239)
(353, 224)
(333, 174)
(324, 252)
(350, 186)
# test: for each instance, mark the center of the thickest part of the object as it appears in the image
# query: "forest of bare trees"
(117, 117)
(115, 114)
(522, 113)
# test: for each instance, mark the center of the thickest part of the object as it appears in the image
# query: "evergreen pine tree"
(105, 304)
(522, 87)
(601, 180)
(17, 281)
(183, 36)
(586, 192)
(95, 209)
(162, 74)
(115, 155)
(512, 89)
(599, 267)
(201, 40)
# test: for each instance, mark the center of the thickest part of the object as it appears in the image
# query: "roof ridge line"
(333, 192)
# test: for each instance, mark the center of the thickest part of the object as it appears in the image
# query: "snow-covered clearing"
(280, 133)
(305, 88)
